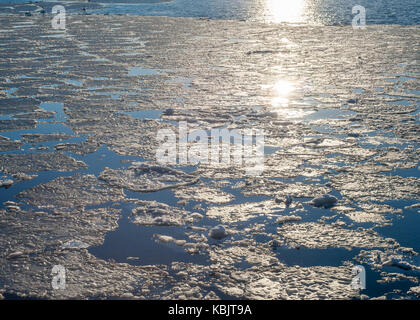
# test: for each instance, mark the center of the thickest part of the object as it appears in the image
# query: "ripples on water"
(325, 12)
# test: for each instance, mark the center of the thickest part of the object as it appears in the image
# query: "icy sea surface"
(80, 110)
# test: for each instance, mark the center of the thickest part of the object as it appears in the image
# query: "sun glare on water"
(283, 88)
(284, 10)
(280, 94)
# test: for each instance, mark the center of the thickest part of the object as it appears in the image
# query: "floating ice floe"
(133, 258)
(326, 201)
(20, 176)
(368, 186)
(415, 291)
(6, 183)
(143, 177)
(284, 219)
(399, 263)
(219, 232)
(367, 212)
(13, 208)
(267, 187)
(6, 145)
(413, 206)
(15, 254)
(203, 193)
(153, 213)
(33, 162)
(196, 215)
(315, 235)
(74, 244)
(123, 134)
(163, 238)
(39, 137)
(69, 192)
(168, 239)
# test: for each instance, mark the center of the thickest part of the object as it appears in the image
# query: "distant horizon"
(317, 12)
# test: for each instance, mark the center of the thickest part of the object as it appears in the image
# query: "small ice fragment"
(413, 206)
(132, 258)
(13, 208)
(162, 238)
(74, 244)
(165, 221)
(15, 254)
(396, 262)
(6, 183)
(415, 290)
(180, 242)
(218, 232)
(284, 219)
(9, 203)
(196, 215)
(326, 201)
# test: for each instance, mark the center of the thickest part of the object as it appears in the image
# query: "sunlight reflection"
(295, 113)
(284, 10)
(283, 88)
(280, 94)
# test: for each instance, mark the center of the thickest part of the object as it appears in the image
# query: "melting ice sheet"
(80, 185)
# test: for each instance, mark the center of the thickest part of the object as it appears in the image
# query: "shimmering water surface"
(324, 12)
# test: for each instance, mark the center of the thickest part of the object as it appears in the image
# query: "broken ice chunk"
(218, 232)
(285, 219)
(74, 244)
(15, 254)
(326, 201)
(164, 239)
(6, 183)
(397, 262)
(153, 213)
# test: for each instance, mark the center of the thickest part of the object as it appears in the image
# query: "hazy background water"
(326, 12)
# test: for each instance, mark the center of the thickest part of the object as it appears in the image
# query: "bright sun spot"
(283, 88)
(280, 93)
(285, 10)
